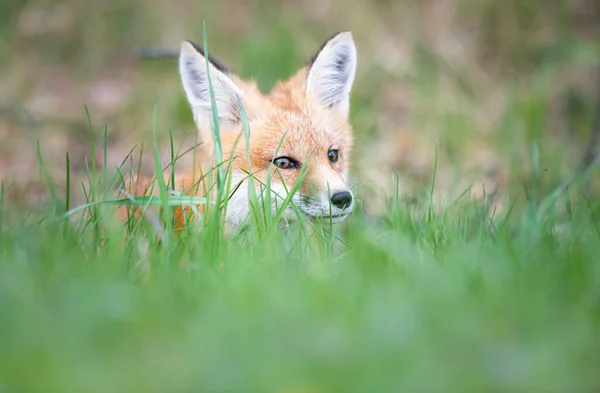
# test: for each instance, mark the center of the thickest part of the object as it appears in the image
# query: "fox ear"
(331, 73)
(194, 77)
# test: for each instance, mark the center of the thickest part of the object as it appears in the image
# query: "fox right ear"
(331, 73)
(194, 77)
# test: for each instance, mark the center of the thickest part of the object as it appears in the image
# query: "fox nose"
(341, 199)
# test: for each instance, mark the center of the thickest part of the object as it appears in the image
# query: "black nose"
(341, 199)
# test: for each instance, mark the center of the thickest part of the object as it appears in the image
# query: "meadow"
(467, 265)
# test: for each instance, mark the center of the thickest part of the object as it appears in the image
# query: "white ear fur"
(194, 77)
(331, 73)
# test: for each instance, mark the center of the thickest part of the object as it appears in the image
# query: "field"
(468, 264)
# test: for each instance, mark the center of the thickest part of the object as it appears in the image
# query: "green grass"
(422, 299)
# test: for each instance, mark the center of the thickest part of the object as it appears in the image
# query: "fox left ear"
(331, 73)
(194, 74)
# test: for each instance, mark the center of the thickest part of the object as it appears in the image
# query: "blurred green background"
(487, 82)
(464, 300)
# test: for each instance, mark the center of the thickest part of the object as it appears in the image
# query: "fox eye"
(285, 163)
(333, 155)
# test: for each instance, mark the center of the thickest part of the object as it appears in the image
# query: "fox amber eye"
(333, 155)
(285, 163)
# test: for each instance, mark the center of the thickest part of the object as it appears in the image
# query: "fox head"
(302, 125)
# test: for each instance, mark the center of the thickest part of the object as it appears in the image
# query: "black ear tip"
(337, 33)
(324, 44)
(349, 32)
(214, 61)
(197, 47)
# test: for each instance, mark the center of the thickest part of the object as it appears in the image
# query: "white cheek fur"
(238, 207)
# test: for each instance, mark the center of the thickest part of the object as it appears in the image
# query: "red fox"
(302, 124)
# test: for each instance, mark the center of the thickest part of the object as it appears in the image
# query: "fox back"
(301, 125)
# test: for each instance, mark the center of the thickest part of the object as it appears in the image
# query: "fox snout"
(326, 202)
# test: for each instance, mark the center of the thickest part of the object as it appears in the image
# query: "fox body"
(301, 125)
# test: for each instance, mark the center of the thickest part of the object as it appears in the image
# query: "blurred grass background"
(457, 300)
(486, 81)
